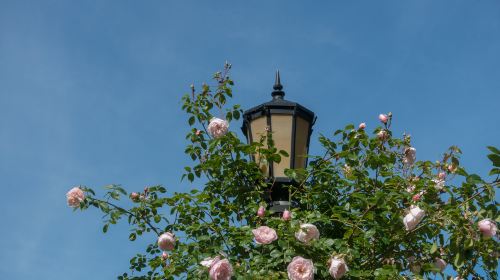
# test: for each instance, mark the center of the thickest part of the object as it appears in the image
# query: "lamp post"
(290, 125)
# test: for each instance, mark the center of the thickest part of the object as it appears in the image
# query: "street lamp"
(290, 125)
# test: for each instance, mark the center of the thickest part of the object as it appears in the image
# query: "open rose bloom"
(166, 241)
(382, 135)
(219, 269)
(307, 233)
(414, 217)
(218, 127)
(207, 262)
(440, 263)
(438, 183)
(410, 156)
(338, 268)
(264, 235)
(413, 265)
(300, 269)
(75, 196)
(487, 227)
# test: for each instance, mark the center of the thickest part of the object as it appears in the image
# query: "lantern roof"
(278, 105)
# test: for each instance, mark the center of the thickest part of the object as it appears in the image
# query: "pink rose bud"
(452, 168)
(441, 175)
(74, 197)
(300, 269)
(338, 268)
(198, 132)
(383, 118)
(134, 196)
(146, 189)
(264, 235)
(487, 227)
(416, 197)
(166, 241)
(261, 212)
(287, 216)
(164, 256)
(362, 125)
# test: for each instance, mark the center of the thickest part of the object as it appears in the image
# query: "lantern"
(290, 126)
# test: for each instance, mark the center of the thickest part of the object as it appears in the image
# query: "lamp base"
(279, 206)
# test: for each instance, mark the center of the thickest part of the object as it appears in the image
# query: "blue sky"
(90, 94)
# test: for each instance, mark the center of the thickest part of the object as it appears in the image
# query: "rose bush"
(364, 209)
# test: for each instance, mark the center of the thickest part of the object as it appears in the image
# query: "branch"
(128, 212)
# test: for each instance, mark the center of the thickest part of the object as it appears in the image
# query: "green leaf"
(157, 218)
(459, 260)
(495, 159)
(474, 179)
(433, 248)
(494, 171)
(105, 228)
(284, 153)
(494, 150)
(132, 236)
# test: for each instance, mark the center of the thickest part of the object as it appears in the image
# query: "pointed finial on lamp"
(278, 93)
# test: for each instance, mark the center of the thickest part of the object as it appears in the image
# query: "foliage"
(356, 193)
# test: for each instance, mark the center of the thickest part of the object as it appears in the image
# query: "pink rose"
(442, 175)
(74, 197)
(383, 118)
(338, 268)
(300, 269)
(362, 125)
(264, 235)
(307, 233)
(413, 265)
(416, 197)
(166, 241)
(440, 263)
(134, 196)
(287, 216)
(487, 227)
(438, 184)
(164, 256)
(410, 156)
(382, 135)
(414, 217)
(220, 270)
(217, 127)
(410, 188)
(261, 212)
(207, 262)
